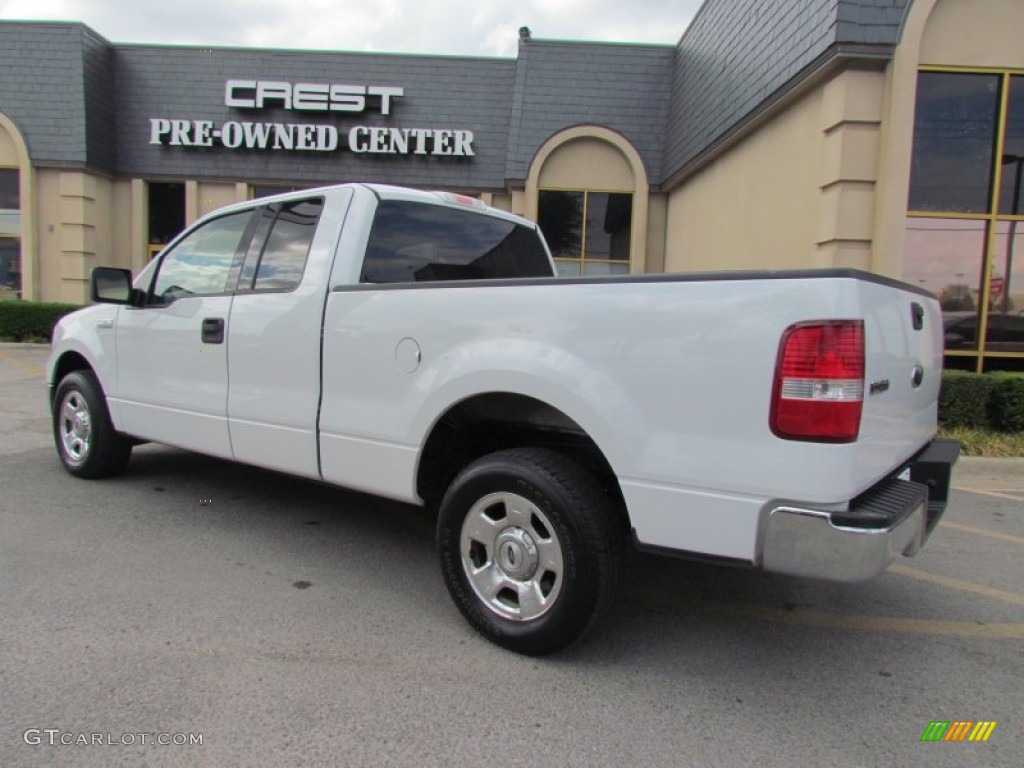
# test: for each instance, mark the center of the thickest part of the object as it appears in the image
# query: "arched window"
(588, 191)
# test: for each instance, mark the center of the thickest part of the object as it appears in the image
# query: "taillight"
(819, 382)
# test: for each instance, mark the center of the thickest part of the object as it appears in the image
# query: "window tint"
(280, 246)
(284, 257)
(199, 264)
(417, 242)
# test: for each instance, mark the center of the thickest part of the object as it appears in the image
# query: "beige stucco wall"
(757, 205)
(8, 151)
(977, 33)
(87, 220)
(83, 221)
(587, 163)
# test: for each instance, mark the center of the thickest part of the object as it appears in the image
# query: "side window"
(418, 242)
(280, 246)
(199, 265)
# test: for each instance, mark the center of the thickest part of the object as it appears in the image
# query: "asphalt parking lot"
(288, 623)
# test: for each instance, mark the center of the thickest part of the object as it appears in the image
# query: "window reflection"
(609, 217)
(589, 233)
(1012, 158)
(560, 217)
(199, 264)
(415, 242)
(10, 197)
(10, 268)
(1005, 331)
(944, 256)
(284, 258)
(954, 142)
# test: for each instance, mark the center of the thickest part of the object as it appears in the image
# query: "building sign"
(308, 136)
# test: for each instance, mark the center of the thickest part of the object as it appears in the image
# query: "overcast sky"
(462, 27)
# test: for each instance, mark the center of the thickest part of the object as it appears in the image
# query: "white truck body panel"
(685, 454)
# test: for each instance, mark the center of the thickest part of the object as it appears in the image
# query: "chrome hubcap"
(511, 556)
(75, 427)
(517, 554)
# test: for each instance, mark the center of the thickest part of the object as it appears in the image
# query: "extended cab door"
(275, 331)
(172, 354)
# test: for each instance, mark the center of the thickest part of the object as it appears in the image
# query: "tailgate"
(903, 371)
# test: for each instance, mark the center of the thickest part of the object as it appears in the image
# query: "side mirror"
(108, 285)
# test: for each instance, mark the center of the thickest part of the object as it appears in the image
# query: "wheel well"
(69, 361)
(497, 421)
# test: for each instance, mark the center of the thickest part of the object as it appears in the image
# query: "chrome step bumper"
(894, 518)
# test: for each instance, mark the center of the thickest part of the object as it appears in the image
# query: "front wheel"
(86, 440)
(529, 549)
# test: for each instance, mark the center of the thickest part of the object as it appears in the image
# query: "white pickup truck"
(417, 346)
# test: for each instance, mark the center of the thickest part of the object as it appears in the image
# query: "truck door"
(275, 331)
(172, 352)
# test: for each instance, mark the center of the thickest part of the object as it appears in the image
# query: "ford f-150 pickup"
(418, 346)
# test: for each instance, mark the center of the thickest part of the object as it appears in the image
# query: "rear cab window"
(414, 242)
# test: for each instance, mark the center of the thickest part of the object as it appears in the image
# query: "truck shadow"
(666, 609)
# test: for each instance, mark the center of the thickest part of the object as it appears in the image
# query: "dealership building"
(883, 135)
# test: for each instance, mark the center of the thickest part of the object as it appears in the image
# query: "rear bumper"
(893, 518)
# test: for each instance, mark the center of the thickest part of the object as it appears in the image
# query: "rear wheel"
(529, 549)
(86, 440)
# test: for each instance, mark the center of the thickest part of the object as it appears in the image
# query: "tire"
(87, 443)
(529, 549)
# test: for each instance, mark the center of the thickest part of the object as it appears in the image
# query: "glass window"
(10, 202)
(255, 250)
(589, 233)
(166, 211)
(609, 218)
(10, 190)
(1005, 328)
(560, 218)
(965, 199)
(201, 262)
(954, 142)
(10, 268)
(945, 256)
(417, 242)
(283, 259)
(1012, 157)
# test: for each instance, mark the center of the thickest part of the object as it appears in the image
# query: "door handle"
(213, 330)
(917, 316)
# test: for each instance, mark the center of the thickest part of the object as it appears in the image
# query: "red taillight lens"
(819, 382)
